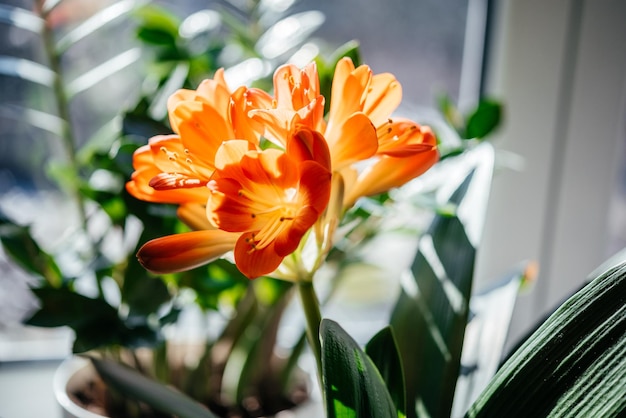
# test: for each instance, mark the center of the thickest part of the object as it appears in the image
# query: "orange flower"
(358, 126)
(271, 197)
(258, 203)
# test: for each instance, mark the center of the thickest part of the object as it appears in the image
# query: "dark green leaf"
(162, 398)
(353, 387)
(156, 36)
(155, 19)
(484, 119)
(19, 244)
(431, 313)
(573, 365)
(490, 315)
(142, 126)
(383, 351)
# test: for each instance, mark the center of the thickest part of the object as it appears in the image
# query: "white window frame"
(560, 68)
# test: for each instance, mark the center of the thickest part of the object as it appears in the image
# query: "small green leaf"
(155, 19)
(19, 244)
(353, 386)
(383, 350)
(484, 119)
(574, 365)
(133, 384)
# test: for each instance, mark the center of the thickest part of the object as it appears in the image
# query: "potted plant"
(252, 196)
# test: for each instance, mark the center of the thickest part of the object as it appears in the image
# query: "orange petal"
(389, 172)
(254, 263)
(383, 97)
(355, 139)
(348, 90)
(182, 252)
(307, 144)
(194, 216)
(289, 239)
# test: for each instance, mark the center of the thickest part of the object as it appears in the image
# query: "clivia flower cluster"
(266, 176)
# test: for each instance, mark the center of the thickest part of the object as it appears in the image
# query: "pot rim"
(62, 376)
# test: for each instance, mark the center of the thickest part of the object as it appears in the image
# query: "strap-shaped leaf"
(27, 70)
(574, 365)
(37, 118)
(98, 20)
(490, 316)
(352, 385)
(383, 350)
(20, 18)
(431, 313)
(102, 71)
(162, 398)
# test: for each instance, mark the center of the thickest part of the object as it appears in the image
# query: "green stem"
(68, 137)
(311, 308)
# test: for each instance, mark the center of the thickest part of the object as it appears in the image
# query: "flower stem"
(311, 308)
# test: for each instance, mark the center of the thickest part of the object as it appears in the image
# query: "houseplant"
(350, 378)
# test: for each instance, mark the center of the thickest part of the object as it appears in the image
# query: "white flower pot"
(76, 372)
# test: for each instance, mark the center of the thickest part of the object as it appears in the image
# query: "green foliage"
(383, 350)
(19, 244)
(95, 322)
(352, 385)
(132, 383)
(433, 306)
(573, 365)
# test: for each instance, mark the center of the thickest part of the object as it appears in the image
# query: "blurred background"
(559, 68)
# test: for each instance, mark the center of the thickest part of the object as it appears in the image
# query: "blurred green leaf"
(573, 365)
(100, 19)
(102, 71)
(19, 244)
(21, 18)
(353, 386)
(156, 36)
(433, 306)
(491, 311)
(162, 398)
(38, 119)
(27, 70)
(484, 119)
(383, 350)
(157, 25)
(142, 126)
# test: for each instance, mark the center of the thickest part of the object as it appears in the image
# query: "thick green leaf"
(383, 350)
(19, 244)
(431, 313)
(162, 398)
(353, 386)
(490, 315)
(574, 365)
(484, 119)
